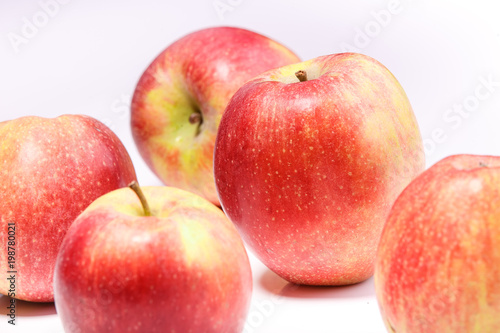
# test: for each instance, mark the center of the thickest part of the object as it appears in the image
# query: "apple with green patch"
(169, 261)
(438, 262)
(310, 157)
(180, 98)
(51, 170)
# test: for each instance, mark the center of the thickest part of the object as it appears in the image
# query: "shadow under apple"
(27, 309)
(274, 284)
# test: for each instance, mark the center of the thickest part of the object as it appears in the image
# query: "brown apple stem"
(137, 189)
(301, 75)
(195, 118)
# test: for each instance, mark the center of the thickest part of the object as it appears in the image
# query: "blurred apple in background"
(309, 159)
(51, 170)
(176, 264)
(438, 262)
(180, 98)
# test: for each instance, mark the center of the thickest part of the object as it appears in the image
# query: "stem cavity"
(195, 118)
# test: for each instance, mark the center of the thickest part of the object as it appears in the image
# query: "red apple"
(51, 170)
(309, 170)
(180, 268)
(438, 262)
(180, 98)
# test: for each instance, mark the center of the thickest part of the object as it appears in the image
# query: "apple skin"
(51, 170)
(438, 262)
(309, 170)
(183, 269)
(198, 73)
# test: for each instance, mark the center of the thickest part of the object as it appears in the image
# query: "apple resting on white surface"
(176, 264)
(438, 262)
(51, 170)
(309, 158)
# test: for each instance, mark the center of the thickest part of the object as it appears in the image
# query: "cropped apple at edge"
(51, 170)
(438, 262)
(177, 266)
(180, 98)
(309, 158)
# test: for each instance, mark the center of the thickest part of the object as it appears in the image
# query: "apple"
(438, 262)
(309, 159)
(176, 264)
(180, 98)
(51, 170)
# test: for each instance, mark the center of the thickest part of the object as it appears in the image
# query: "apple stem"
(301, 75)
(137, 189)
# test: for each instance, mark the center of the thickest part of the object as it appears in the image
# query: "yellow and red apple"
(176, 264)
(438, 262)
(51, 170)
(180, 98)
(309, 158)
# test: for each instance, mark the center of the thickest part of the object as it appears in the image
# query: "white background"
(86, 57)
